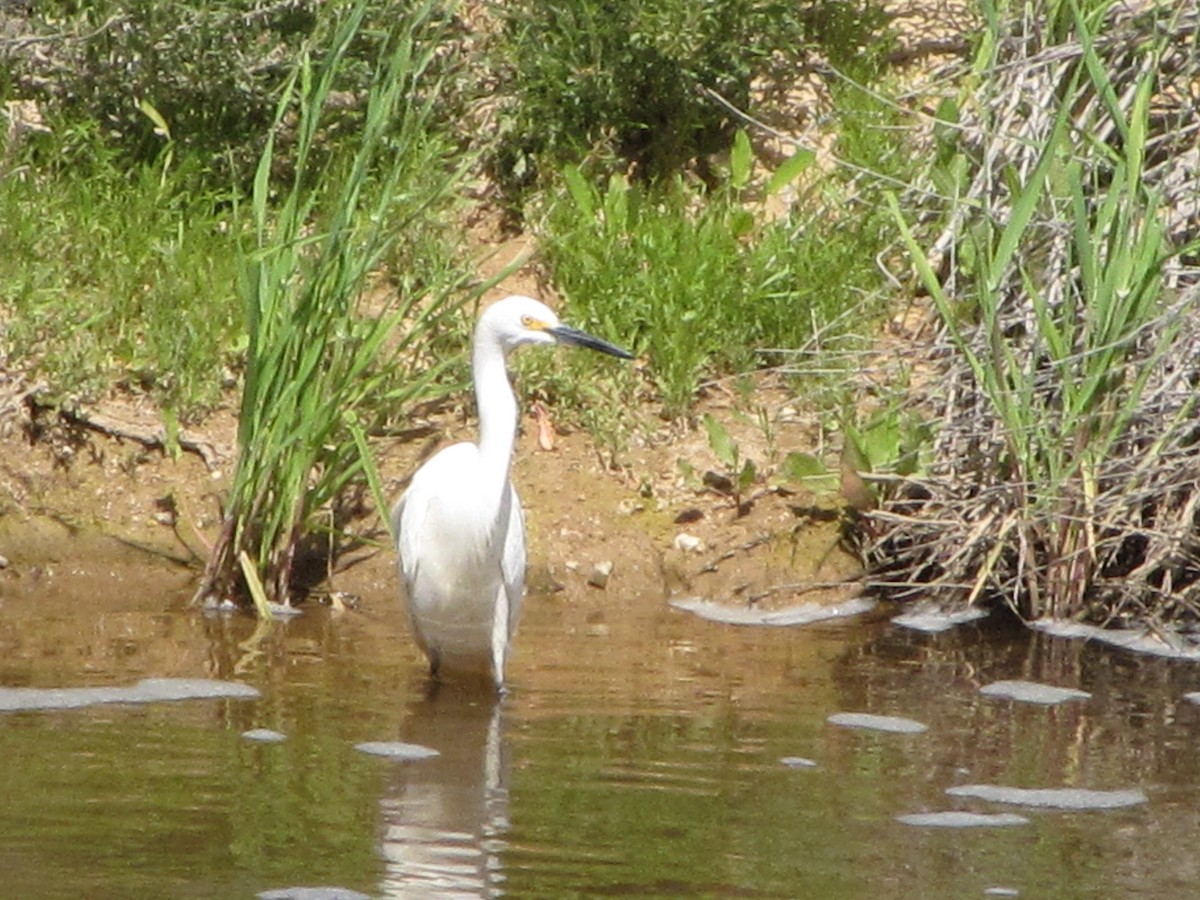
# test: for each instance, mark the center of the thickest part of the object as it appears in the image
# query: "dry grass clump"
(1064, 478)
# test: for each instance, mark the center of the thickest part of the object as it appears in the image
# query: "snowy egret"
(459, 527)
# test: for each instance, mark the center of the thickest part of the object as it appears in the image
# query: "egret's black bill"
(573, 337)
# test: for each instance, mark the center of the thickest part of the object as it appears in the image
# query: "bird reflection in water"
(444, 818)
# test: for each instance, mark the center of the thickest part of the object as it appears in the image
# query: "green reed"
(1059, 359)
(326, 334)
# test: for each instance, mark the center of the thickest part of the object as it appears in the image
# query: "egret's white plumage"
(459, 526)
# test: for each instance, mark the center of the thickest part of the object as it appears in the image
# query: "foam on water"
(397, 750)
(148, 690)
(932, 619)
(1135, 640)
(798, 762)
(264, 735)
(892, 724)
(957, 819)
(804, 614)
(1051, 798)
(1032, 692)
(312, 893)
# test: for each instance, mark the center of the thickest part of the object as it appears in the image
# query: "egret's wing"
(512, 561)
(408, 517)
(406, 525)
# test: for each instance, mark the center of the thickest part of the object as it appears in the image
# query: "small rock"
(691, 514)
(630, 507)
(164, 518)
(148, 690)
(3, 562)
(1051, 798)
(688, 543)
(214, 604)
(932, 619)
(600, 574)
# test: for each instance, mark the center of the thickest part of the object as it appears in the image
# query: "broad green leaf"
(740, 161)
(616, 205)
(800, 467)
(746, 477)
(881, 442)
(582, 193)
(722, 444)
(171, 433)
(741, 222)
(789, 170)
(947, 111)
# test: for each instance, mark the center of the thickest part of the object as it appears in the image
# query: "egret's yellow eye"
(531, 322)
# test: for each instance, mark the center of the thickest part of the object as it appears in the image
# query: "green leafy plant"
(796, 469)
(692, 281)
(313, 386)
(116, 218)
(740, 474)
(890, 442)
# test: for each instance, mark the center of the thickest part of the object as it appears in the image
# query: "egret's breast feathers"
(451, 533)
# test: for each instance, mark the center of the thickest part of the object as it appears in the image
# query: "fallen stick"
(153, 436)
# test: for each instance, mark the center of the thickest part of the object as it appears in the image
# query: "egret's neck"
(497, 409)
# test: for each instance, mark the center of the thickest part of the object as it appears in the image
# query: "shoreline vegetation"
(276, 207)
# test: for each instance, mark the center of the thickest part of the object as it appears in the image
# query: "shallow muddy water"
(641, 751)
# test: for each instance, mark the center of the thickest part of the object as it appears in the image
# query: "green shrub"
(623, 80)
(211, 71)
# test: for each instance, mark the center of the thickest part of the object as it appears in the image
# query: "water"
(641, 752)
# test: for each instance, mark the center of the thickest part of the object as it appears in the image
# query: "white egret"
(459, 527)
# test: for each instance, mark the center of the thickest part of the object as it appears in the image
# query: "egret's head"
(519, 320)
